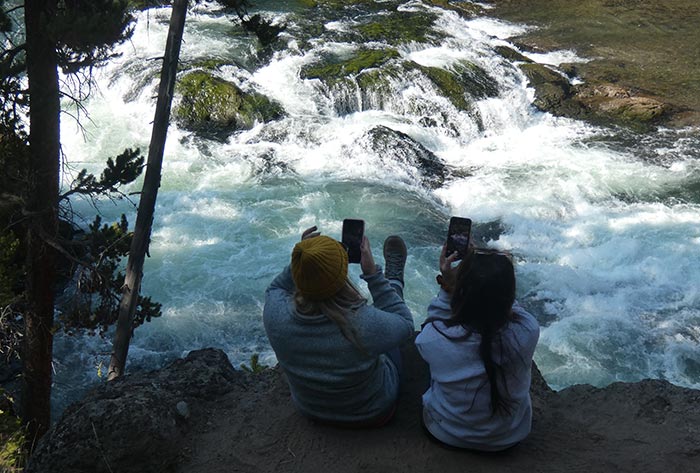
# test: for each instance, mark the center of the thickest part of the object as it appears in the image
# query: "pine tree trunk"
(149, 193)
(42, 204)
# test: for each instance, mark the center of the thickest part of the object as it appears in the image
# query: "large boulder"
(211, 104)
(409, 153)
(136, 423)
(553, 91)
(621, 104)
(598, 102)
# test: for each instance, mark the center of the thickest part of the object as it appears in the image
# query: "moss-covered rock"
(334, 3)
(463, 80)
(400, 27)
(335, 68)
(449, 85)
(511, 54)
(464, 9)
(209, 103)
(209, 64)
(12, 436)
(379, 80)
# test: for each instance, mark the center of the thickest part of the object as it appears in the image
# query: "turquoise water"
(605, 227)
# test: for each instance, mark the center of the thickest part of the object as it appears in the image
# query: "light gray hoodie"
(329, 377)
(457, 406)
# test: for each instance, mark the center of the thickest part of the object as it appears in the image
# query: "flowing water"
(605, 226)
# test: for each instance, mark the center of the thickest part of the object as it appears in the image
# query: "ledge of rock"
(201, 415)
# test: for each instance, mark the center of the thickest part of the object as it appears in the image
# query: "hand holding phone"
(353, 231)
(458, 236)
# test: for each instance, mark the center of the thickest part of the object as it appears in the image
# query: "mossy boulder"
(400, 27)
(207, 64)
(12, 436)
(334, 3)
(511, 54)
(337, 68)
(464, 9)
(209, 103)
(462, 81)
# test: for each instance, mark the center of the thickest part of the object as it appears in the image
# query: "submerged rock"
(211, 104)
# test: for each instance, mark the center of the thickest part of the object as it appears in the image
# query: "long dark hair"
(482, 302)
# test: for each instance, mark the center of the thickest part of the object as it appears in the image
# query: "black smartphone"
(458, 236)
(353, 230)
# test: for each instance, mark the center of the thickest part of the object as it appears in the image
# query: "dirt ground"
(644, 427)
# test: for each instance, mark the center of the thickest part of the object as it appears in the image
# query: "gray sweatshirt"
(329, 377)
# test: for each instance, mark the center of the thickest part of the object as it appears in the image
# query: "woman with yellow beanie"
(339, 353)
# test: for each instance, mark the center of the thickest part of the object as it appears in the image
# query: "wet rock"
(183, 409)
(511, 54)
(463, 80)
(393, 144)
(400, 27)
(553, 91)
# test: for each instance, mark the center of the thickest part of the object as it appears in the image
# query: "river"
(604, 224)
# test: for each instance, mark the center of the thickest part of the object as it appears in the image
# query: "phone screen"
(458, 236)
(353, 230)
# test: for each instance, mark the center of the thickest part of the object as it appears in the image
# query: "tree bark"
(151, 183)
(42, 207)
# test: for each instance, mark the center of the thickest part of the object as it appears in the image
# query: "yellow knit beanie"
(319, 267)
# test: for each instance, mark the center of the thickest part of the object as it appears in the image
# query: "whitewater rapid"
(605, 229)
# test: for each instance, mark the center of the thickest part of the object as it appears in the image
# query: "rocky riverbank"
(642, 58)
(201, 415)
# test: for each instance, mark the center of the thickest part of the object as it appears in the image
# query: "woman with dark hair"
(479, 344)
(339, 354)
